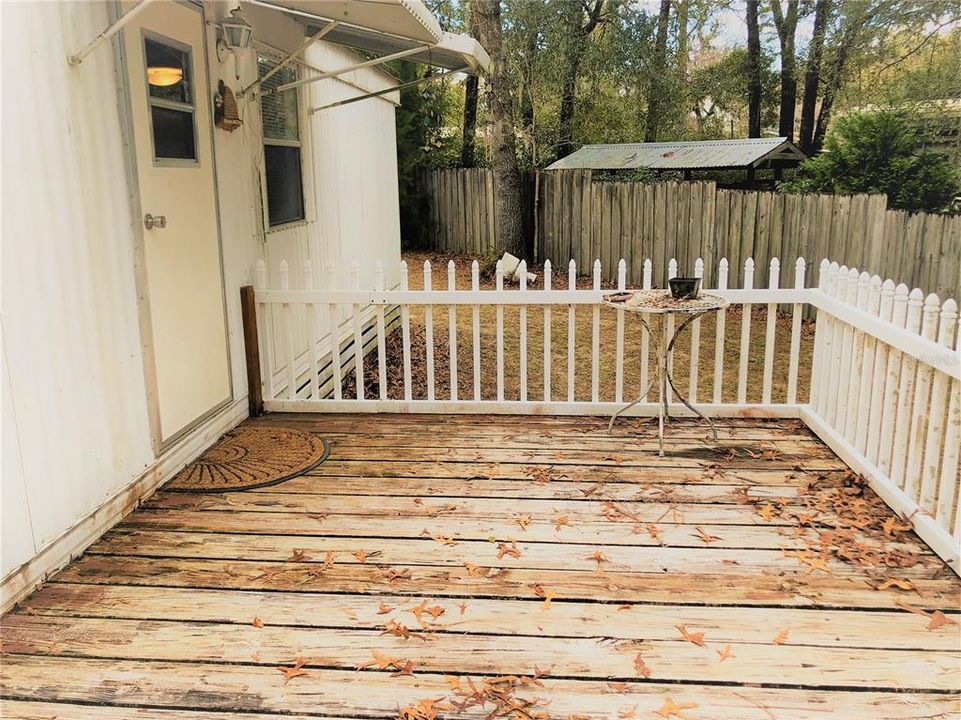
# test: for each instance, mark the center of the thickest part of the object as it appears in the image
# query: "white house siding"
(76, 431)
(70, 319)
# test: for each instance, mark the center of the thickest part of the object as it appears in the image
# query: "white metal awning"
(445, 50)
(405, 18)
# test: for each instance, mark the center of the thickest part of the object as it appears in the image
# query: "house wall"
(77, 442)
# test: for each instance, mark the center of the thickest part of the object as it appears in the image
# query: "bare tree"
(582, 18)
(753, 70)
(507, 178)
(812, 76)
(657, 72)
(786, 24)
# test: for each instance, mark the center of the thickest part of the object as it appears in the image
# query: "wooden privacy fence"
(885, 374)
(571, 216)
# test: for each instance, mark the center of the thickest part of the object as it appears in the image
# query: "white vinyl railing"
(884, 375)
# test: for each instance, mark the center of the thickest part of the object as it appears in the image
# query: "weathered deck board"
(155, 621)
(809, 626)
(580, 658)
(322, 692)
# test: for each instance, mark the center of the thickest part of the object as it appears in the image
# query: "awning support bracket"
(291, 57)
(386, 91)
(349, 68)
(110, 31)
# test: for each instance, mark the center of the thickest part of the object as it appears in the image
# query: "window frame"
(153, 102)
(302, 145)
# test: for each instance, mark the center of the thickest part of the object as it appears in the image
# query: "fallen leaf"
(406, 669)
(383, 609)
(548, 595)
(627, 712)
(781, 637)
(899, 583)
(522, 520)
(295, 671)
(560, 521)
(725, 653)
(640, 667)
(673, 709)
(938, 619)
(393, 575)
(705, 536)
(299, 555)
(618, 687)
(696, 637)
(505, 549)
(361, 556)
(328, 560)
(257, 623)
(463, 607)
(474, 570)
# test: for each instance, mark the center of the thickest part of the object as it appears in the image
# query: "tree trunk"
(786, 24)
(683, 6)
(812, 76)
(753, 71)
(579, 29)
(657, 73)
(507, 177)
(565, 138)
(835, 78)
(470, 122)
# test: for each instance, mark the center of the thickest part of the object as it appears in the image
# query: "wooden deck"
(533, 563)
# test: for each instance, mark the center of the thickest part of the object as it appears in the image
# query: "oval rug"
(251, 457)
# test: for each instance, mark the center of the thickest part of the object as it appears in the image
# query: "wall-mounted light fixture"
(237, 31)
(164, 76)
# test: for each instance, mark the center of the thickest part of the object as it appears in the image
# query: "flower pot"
(684, 288)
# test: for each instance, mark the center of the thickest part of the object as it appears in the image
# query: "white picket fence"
(885, 375)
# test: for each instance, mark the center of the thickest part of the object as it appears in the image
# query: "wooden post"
(248, 308)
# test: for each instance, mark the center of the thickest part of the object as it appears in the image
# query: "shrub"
(880, 152)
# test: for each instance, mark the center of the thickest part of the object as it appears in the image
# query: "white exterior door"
(181, 275)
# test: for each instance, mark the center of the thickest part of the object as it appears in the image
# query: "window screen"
(281, 127)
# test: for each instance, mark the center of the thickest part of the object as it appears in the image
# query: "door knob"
(154, 221)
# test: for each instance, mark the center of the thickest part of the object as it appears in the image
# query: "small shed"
(749, 154)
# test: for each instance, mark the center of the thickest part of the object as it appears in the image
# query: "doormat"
(252, 457)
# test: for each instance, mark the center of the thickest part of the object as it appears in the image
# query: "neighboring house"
(131, 221)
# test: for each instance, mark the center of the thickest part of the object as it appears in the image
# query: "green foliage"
(880, 152)
(423, 142)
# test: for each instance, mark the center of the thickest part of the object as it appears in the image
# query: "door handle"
(154, 221)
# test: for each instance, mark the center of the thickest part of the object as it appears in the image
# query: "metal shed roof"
(749, 152)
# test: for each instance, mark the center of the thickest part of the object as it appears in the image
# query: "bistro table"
(662, 303)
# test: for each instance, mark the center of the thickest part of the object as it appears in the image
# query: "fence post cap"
(887, 287)
(931, 302)
(916, 295)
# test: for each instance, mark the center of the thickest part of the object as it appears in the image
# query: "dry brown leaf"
(938, 619)
(705, 536)
(560, 521)
(542, 592)
(781, 637)
(672, 709)
(900, 583)
(522, 520)
(299, 555)
(696, 637)
(383, 609)
(618, 687)
(295, 671)
(725, 653)
(640, 667)
(463, 607)
(328, 560)
(257, 623)
(474, 570)
(626, 713)
(505, 549)
(361, 555)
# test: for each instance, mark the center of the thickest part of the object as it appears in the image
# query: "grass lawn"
(582, 348)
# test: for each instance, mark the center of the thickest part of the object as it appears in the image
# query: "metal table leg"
(670, 380)
(610, 425)
(665, 381)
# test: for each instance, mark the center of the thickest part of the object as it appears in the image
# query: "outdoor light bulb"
(164, 76)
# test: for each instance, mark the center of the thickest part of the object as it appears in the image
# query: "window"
(281, 125)
(171, 102)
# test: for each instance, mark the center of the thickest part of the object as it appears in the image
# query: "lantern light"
(237, 31)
